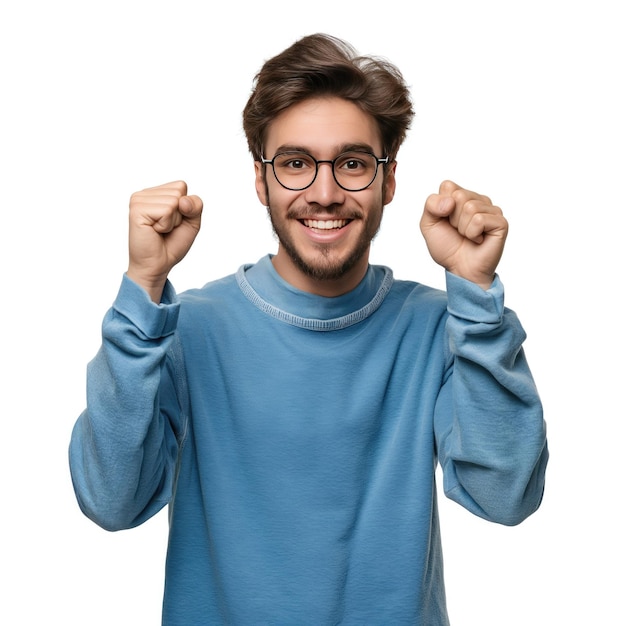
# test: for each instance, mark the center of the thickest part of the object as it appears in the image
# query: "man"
(291, 415)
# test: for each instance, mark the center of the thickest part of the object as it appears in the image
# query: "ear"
(259, 182)
(390, 183)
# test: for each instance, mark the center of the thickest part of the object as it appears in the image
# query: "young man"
(292, 414)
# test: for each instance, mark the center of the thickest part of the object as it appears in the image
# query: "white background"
(522, 101)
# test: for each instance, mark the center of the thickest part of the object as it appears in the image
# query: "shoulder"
(215, 298)
(408, 292)
(410, 304)
(216, 289)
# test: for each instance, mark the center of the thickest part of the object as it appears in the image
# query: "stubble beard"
(326, 265)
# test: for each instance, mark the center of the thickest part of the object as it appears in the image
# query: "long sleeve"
(124, 446)
(491, 435)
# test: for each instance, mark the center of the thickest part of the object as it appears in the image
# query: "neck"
(328, 287)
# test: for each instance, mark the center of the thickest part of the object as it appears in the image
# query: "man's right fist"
(163, 224)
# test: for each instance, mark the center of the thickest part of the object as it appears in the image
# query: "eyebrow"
(339, 149)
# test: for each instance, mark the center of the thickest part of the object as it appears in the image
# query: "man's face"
(324, 232)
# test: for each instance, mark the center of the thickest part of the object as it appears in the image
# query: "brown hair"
(322, 65)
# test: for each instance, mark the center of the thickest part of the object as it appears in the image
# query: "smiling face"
(324, 232)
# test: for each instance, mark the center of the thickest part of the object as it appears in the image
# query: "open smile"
(325, 224)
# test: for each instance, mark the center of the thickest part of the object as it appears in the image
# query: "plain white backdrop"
(521, 101)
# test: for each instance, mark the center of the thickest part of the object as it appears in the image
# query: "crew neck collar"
(268, 291)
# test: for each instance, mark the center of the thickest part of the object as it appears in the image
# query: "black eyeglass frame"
(331, 162)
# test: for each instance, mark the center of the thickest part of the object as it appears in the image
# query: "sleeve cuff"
(153, 320)
(471, 302)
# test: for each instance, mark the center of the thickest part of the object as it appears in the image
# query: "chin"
(327, 266)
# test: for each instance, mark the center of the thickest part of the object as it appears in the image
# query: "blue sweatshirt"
(295, 439)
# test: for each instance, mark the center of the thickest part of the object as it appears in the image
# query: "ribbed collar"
(264, 287)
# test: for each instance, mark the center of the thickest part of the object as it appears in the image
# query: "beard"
(327, 264)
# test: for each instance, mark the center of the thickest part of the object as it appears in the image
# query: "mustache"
(311, 211)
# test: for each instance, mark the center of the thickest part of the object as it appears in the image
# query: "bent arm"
(124, 446)
(491, 435)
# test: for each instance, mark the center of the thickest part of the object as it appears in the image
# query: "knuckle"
(460, 196)
(478, 221)
(447, 187)
(472, 206)
(181, 187)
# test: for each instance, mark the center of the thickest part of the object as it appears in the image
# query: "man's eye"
(295, 162)
(352, 164)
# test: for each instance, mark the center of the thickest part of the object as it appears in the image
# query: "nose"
(325, 191)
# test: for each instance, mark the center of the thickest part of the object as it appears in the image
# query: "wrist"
(152, 285)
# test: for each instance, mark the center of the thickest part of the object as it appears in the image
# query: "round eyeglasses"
(352, 171)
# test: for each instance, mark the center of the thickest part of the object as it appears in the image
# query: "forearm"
(124, 445)
(491, 432)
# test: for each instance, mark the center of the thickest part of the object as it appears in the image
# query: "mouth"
(325, 224)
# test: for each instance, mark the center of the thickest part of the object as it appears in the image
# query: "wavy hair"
(322, 65)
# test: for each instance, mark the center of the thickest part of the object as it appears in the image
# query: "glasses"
(352, 171)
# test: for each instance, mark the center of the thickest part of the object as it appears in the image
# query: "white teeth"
(325, 224)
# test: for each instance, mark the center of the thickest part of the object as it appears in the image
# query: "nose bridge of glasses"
(325, 180)
(331, 166)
